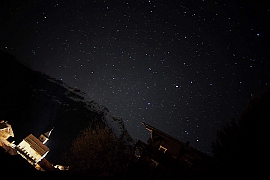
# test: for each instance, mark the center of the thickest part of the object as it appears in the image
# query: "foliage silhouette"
(240, 147)
(97, 152)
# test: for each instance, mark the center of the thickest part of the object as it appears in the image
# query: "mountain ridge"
(33, 102)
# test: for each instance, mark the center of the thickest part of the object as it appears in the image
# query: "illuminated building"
(33, 149)
(6, 132)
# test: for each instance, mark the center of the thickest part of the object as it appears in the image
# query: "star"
(152, 61)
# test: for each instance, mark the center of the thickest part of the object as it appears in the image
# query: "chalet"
(166, 157)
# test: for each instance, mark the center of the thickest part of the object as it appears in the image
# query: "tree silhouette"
(97, 152)
(240, 147)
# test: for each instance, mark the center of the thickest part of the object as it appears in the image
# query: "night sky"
(185, 67)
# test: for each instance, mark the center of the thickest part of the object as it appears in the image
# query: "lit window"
(163, 149)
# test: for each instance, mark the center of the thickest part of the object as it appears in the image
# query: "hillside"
(33, 102)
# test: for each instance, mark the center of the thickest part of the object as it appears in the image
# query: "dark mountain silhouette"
(33, 102)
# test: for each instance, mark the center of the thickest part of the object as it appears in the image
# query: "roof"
(36, 144)
(152, 129)
(166, 136)
(4, 125)
(48, 133)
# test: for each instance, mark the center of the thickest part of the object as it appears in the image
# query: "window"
(137, 153)
(163, 149)
(154, 163)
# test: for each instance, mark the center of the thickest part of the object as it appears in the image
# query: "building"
(166, 157)
(31, 148)
(34, 150)
(6, 132)
(45, 137)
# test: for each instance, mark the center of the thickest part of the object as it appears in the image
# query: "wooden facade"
(166, 157)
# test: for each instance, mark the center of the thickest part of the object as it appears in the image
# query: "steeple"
(45, 136)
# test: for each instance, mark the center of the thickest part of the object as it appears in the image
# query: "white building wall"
(25, 147)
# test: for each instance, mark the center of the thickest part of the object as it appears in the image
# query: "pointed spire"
(45, 136)
(48, 133)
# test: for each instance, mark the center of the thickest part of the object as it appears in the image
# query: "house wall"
(165, 146)
(4, 133)
(31, 153)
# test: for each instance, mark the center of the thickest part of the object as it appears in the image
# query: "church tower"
(44, 137)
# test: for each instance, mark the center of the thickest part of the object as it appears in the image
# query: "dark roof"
(36, 144)
(3, 125)
(166, 136)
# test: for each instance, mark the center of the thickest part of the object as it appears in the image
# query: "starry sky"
(185, 67)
